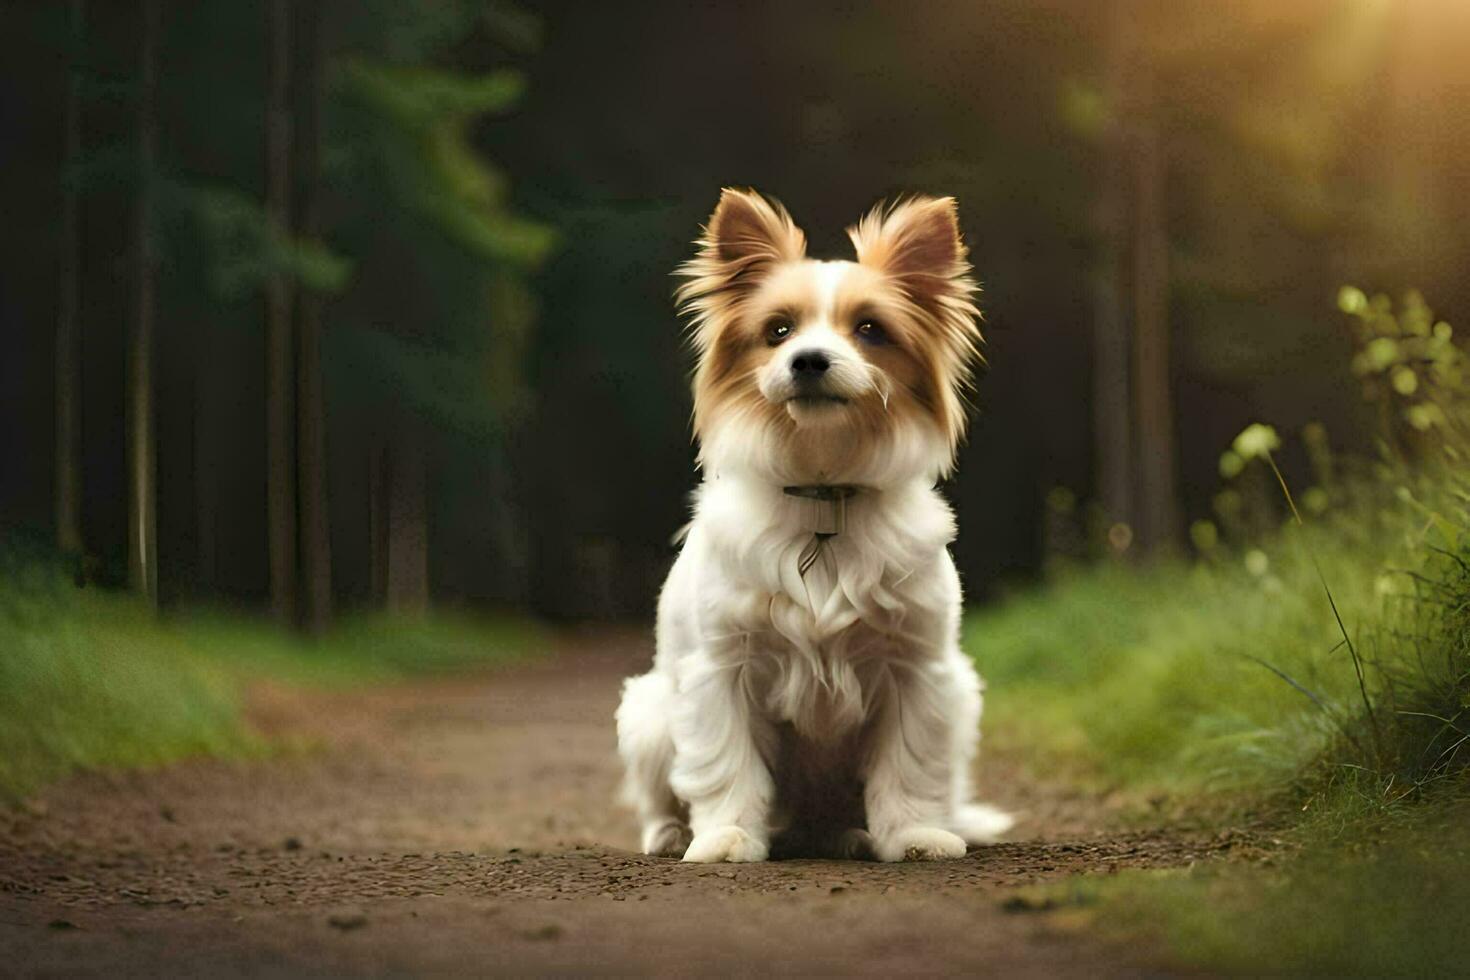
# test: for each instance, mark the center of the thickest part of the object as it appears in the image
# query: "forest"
(437, 267)
(338, 353)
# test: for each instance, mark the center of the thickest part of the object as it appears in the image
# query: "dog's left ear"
(917, 241)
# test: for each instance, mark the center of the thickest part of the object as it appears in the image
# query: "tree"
(1132, 398)
(1112, 384)
(406, 583)
(68, 365)
(142, 449)
(439, 311)
(315, 544)
(1246, 122)
(1158, 515)
(280, 377)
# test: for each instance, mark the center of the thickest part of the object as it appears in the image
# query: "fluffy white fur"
(833, 711)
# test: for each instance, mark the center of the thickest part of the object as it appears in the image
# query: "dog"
(809, 694)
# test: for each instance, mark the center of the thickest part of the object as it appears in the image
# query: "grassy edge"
(1246, 680)
(90, 680)
(1383, 897)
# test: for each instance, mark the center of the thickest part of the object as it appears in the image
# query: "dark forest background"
(323, 305)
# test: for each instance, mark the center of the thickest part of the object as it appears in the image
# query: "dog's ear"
(917, 241)
(746, 235)
(746, 228)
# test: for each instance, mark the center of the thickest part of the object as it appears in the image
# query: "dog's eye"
(777, 331)
(872, 332)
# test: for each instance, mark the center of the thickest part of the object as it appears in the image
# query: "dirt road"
(468, 825)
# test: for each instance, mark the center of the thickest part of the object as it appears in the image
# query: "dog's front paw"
(728, 844)
(919, 844)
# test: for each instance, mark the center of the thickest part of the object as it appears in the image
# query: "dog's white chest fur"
(813, 645)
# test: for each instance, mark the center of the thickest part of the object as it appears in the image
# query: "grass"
(1318, 668)
(361, 649)
(1311, 651)
(1231, 677)
(1388, 900)
(91, 679)
(1162, 678)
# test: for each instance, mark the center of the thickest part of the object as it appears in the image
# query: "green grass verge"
(1387, 900)
(92, 680)
(362, 648)
(1330, 656)
(1174, 678)
(1239, 672)
(1320, 672)
(1157, 678)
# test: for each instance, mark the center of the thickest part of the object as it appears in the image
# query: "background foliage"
(505, 190)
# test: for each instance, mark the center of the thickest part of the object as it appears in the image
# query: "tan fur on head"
(906, 389)
(917, 243)
(745, 237)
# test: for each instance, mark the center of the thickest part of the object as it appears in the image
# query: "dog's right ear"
(746, 235)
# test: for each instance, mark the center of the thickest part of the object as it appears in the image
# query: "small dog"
(809, 694)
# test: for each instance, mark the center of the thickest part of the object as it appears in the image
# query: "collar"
(823, 491)
(826, 517)
(827, 514)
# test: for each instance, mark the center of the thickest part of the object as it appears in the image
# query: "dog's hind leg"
(647, 749)
(976, 823)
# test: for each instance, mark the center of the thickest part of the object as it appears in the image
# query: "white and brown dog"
(809, 690)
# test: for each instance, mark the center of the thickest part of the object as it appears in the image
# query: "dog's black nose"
(809, 364)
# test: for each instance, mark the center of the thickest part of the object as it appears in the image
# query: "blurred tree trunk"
(316, 554)
(406, 531)
(206, 487)
(1112, 402)
(1133, 402)
(1158, 520)
(280, 376)
(378, 522)
(142, 450)
(68, 366)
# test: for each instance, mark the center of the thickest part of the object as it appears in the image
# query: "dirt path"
(468, 826)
